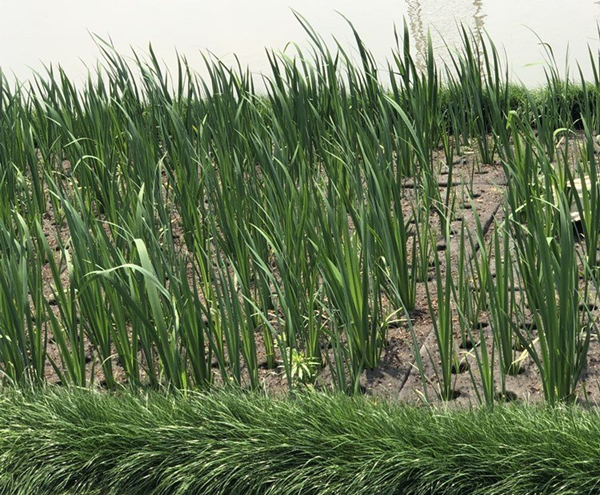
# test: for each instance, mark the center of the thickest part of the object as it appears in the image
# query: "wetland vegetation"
(424, 236)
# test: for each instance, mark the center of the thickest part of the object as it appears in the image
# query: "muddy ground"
(398, 377)
(480, 189)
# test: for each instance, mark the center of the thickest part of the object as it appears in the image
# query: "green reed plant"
(466, 286)
(502, 299)
(494, 277)
(232, 330)
(89, 253)
(416, 92)
(548, 264)
(423, 243)
(591, 90)
(23, 332)
(175, 271)
(295, 281)
(466, 299)
(582, 184)
(426, 178)
(552, 109)
(156, 316)
(441, 311)
(553, 295)
(352, 288)
(480, 92)
(386, 218)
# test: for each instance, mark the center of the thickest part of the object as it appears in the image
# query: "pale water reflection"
(33, 32)
(426, 19)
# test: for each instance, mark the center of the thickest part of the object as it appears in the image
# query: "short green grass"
(85, 442)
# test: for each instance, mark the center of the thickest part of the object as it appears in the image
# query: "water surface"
(34, 32)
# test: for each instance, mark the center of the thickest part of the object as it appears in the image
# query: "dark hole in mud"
(463, 367)
(468, 344)
(588, 307)
(441, 246)
(481, 324)
(418, 313)
(528, 325)
(476, 195)
(578, 231)
(466, 206)
(454, 394)
(395, 324)
(507, 396)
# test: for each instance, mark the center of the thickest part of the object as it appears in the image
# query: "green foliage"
(162, 231)
(90, 443)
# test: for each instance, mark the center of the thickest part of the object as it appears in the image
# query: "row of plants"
(163, 229)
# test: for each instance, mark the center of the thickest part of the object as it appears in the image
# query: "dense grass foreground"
(87, 442)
